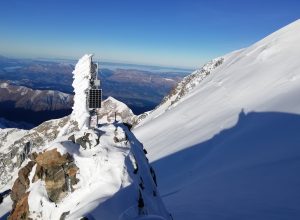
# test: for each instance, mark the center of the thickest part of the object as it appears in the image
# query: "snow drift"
(229, 149)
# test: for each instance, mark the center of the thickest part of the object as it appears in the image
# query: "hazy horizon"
(183, 34)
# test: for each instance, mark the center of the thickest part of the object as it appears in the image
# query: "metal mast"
(94, 94)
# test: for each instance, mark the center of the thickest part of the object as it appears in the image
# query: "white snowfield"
(108, 188)
(230, 148)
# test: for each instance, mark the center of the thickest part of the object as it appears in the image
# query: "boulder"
(58, 171)
(52, 158)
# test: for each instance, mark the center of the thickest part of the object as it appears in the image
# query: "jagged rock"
(58, 171)
(88, 140)
(180, 90)
(38, 173)
(16, 151)
(21, 210)
(72, 170)
(52, 158)
(64, 215)
(84, 141)
(22, 183)
(56, 184)
(72, 138)
(33, 156)
(113, 109)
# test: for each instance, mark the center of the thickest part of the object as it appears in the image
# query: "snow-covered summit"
(232, 138)
(63, 170)
(96, 174)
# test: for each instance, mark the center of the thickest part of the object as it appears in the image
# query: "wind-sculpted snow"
(229, 149)
(81, 76)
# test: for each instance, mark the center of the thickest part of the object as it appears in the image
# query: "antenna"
(94, 94)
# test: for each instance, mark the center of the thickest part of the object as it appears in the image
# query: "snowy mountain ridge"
(233, 138)
(112, 171)
(64, 170)
(180, 90)
(37, 100)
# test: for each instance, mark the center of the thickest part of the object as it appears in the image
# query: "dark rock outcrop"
(22, 183)
(87, 140)
(84, 141)
(19, 195)
(58, 171)
(64, 215)
(21, 210)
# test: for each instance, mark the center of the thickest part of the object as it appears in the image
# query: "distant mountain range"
(44, 86)
(57, 75)
(23, 104)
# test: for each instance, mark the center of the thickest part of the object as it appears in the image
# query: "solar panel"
(95, 97)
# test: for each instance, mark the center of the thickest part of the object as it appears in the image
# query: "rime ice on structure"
(88, 95)
(81, 83)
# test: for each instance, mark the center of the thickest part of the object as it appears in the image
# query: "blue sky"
(183, 33)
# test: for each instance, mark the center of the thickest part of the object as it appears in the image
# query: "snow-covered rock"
(16, 144)
(111, 179)
(229, 149)
(112, 109)
(179, 91)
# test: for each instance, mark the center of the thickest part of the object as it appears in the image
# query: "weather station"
(94, 94)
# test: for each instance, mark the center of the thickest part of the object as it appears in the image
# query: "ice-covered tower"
(87, 91)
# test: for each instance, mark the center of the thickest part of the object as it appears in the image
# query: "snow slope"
(230, 149)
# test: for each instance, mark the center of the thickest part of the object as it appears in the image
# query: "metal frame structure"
(94, 94)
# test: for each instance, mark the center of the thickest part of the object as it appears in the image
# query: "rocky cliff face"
(191, 81)
(58, 172)
(16, 145)
(21, 184)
